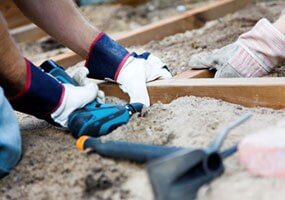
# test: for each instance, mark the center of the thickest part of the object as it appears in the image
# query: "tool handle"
(219, 139)
(228, 152)
(58, 72)
(125, 150)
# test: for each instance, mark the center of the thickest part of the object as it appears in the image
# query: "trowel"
(181, 174)
(174, 172)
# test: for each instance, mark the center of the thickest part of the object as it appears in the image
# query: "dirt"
(52, 168)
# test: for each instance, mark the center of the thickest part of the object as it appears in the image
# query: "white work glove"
(76, 97)
(137, 72)
(79, 74)
(254, 54)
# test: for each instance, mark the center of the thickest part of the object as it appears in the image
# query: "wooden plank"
(192, 19)
(191, 73)
(67, 59)
(27, 33)
(252, 92)
(129, 2)
(181, 23)
(122, 2)
(12, 14)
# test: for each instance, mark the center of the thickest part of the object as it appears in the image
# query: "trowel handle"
(125, 150)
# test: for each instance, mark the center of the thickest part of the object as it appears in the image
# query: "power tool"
(94, 119)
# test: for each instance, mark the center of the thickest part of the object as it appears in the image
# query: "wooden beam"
(178, 24)
(249, 92)
(192, 19)
(12, 14)
(27, 33)
(191, 73)
(67, 59)
(129, 2)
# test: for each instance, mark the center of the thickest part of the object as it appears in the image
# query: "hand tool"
(136, 152)
(181, 174)
(174, 172)
(94, 119)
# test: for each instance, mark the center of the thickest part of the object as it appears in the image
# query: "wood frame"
(27, 33)
(12, 14)
(249, 92)
(253, 92)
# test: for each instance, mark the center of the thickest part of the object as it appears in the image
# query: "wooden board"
(12, 14)
(67, 59)
(253, 92)
(191, 73)
(129, 2)
(177, 24)
(27, 33)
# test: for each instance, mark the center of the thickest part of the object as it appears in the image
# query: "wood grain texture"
(253, 92)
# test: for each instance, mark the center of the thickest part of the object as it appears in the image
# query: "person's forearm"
(12, 65)
(63, 21)
(280, 24)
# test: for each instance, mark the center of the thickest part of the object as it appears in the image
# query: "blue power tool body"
(94, 119)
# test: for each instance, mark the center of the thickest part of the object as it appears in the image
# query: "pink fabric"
(263, 154)
(263, 48)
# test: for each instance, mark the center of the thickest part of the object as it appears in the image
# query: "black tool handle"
(129, 151)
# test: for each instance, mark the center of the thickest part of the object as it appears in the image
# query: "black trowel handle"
(124, 150)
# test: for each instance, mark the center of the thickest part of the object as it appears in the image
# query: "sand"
(52, 168)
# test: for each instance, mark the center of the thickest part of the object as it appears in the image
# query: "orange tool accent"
(80, 142)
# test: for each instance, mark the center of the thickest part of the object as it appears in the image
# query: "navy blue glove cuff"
(41, 96)
(106, 58)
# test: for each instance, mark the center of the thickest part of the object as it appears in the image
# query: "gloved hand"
(79, 75)
(109, 60)
(137, 71)
(77, 97)
(48, 99)
(254, 54)
(95, 119)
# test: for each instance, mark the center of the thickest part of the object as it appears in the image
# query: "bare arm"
(63, 21)
(12, 65)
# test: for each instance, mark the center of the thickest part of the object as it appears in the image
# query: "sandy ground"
(52, 168)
